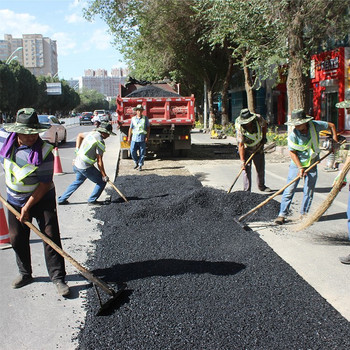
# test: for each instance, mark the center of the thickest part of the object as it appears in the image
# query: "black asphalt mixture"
(196, 279)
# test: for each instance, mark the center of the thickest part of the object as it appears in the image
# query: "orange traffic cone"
(4, 230)
(57, 167)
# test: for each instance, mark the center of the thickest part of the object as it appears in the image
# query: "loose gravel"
(196, 279)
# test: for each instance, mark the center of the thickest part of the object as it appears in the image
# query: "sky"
(80, 44)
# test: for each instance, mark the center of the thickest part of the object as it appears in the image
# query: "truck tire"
(124, 153)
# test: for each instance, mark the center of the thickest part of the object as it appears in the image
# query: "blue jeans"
(141, 147)
(309, 187)
(90, 173)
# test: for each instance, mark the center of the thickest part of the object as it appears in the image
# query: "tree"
(241, 28)
(305, 26)
(91, 100)
(8, 89)
(160, 39)
(27, 86)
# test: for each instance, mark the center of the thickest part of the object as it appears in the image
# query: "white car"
(57, 132)
(103, 114)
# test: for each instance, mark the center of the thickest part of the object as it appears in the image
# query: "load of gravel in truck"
(196, 279)
(152, 91)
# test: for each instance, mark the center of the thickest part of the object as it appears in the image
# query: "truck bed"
(159, 110)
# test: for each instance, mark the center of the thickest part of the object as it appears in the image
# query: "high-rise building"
(100, 81)
(33, 51)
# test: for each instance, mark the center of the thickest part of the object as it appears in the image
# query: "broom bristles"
(315, 216)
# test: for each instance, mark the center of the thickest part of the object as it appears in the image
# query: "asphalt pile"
(196, 279)
(152, 91)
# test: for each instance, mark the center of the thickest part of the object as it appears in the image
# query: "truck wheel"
(124, 153)
(184, 153)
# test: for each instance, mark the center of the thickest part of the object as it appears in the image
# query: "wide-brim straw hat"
(298, 117)
(27, 122)
(106, 128)
(138, 108)
(245, 117)
(343, 104)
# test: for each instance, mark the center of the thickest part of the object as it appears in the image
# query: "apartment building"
(33, 51)
(100, 81)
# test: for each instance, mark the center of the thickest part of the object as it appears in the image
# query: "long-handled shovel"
(278, 192)
(86, 273)
(116, 189)
(247, 162)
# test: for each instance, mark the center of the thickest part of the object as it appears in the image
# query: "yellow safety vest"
(312, 146)
(255, 137)
(86, 152)
(139, 127)
(14, 174)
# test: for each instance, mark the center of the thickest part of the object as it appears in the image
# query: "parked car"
(57, 132)
(104, 115)
(86, 118)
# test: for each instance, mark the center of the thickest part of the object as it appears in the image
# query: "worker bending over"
(90, 147)
(251, 131)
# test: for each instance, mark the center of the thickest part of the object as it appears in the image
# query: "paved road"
(47, 321)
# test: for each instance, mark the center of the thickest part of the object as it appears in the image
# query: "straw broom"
(312, 218)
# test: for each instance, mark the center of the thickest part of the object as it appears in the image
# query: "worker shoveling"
(250, 212)
(97, 282)
(268, 149)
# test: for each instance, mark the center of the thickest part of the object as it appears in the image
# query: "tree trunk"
(224, 92)
(248, 87)
(296, 81)
(211, 109)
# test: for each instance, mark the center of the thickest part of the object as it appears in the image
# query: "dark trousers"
(259, 163)
(46, 216)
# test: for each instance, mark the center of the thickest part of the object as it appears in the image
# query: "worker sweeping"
(90, 147)
(28, 164)
(303, 145)
(251, 131)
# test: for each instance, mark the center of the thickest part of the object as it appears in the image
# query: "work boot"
(280, 220)
(136, 166)
(345, 259)
(21, 280)
(266, 189)
(140, 168)
(62, 288)
(95, 203)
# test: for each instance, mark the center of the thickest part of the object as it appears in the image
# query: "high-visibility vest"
(15, 175)
(87, 151)
(255, 137)
(139, 125)
(311, 146)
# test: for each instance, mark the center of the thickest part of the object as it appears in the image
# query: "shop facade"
(329, 84)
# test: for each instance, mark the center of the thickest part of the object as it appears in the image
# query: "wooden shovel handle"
(116, 189)
(282, 189)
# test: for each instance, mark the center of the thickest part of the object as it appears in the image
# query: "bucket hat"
(27, 122)
(106, 128)
(298, 117)
(138, 107)
(245, 117)
(343, 104)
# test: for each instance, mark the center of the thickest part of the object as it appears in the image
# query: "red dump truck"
(171, 117)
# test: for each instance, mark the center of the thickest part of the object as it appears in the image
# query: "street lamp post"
(10, 58)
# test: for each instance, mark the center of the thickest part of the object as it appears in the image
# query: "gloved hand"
(105, 178)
